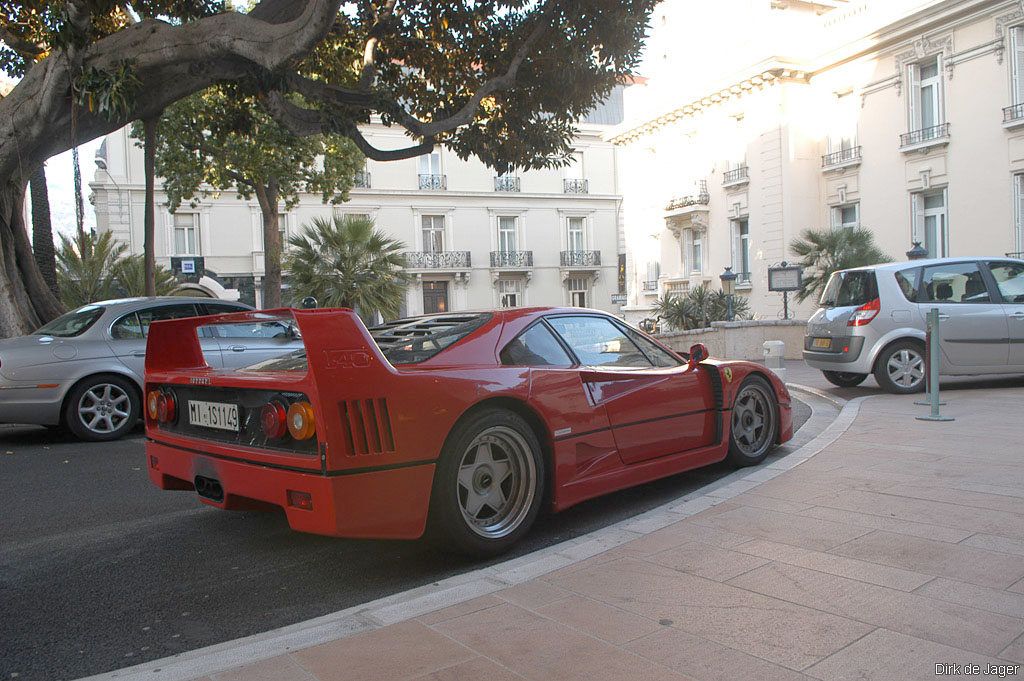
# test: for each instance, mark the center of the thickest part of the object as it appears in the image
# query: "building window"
(507, 229)
(653, 272)
(186, 234)
(431, 176)
(1018, 201)
(741, 250)
(931, 223)
(925, 98)
(510, 292)
(847, 216)
(579, 291)
(577, 235)
(433, 233)
(574, 182)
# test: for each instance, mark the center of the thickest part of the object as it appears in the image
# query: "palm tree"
(700, 306)
(825, 251)
(345, 262)
(42, 230)
(84, 266)
(130, 274)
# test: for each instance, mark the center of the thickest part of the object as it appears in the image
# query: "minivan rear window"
(850, 288)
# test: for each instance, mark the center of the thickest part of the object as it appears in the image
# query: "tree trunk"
(268, 198)
(149, 228)
(42, 229)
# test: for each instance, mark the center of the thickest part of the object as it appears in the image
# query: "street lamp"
(918, 252)
(101, 163)
(728, 278)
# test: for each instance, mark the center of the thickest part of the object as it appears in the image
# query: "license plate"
(213, 415)
(822, 343)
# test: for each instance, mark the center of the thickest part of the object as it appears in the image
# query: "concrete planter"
(742, 339)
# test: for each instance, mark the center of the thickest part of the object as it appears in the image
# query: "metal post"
(932, 368)
(785, 303)
(728, 314)
(927, 369)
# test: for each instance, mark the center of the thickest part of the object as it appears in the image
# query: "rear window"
(850, 288)
(408, 341)
(73, 323)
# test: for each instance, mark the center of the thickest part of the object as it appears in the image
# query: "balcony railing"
(701, 198)
(736, 176)
(433, 182)
(915, 137)
(511, 258)
(506, 184)
(441, 260)
(651, 285)
(1016, 254)
(570, 186)
(841, 157)
(1013, 113)
(362, 179)
(581, 258)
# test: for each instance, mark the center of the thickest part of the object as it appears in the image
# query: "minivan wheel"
(900, 368)
(844, 379)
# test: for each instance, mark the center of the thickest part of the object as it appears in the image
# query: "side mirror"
(698, 353)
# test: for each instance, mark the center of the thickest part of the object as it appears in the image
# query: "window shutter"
(913, 97)
(1017, 63)
(1018, 187)
(917, 226)
(687, 251)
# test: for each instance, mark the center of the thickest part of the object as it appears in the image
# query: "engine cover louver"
(367, 426)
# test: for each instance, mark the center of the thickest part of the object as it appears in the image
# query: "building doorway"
(435, 296)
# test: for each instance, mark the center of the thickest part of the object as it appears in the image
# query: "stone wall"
(741, 340)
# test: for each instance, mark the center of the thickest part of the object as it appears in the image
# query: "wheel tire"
(492, 457)
(754, 421)
(844, 379)
(102, 407)
(900, 368)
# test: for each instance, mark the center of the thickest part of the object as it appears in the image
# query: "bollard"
(775, 357)
(932, 368)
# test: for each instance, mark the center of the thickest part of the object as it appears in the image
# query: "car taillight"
(300, 421)
(272, 420)
(865, 313)
(165, 407)
(151, 404)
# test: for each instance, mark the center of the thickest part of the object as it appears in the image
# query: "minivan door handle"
(943, 315)
(138, 353)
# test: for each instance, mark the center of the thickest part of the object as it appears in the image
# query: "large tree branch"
(22, 46)
(369, 71)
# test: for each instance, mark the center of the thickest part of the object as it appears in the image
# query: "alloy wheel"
(104, 408)
(905, 368)
(496, 482)
(752, 420)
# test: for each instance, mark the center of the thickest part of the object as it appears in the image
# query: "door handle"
(236, 348)
(943, 315)
(138, 353)
(1018, 315)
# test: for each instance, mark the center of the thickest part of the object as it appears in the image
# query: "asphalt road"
(101, 570)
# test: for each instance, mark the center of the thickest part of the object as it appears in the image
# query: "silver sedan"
(84, 370)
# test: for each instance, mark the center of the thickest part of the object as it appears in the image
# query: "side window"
(657, 354)
(1009, 278)
(959, 282)
(536, 346)
(597, 342)
(127, 328)
(250, 330)
(907, 280)
(156, 314)
(222, 308)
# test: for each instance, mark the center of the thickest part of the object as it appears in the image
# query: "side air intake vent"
(367, 426)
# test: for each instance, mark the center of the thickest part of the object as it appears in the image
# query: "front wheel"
(489, 484)
(900, 368)
(844, 379)
(754, 422)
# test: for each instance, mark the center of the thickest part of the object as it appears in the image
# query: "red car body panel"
(380, 428)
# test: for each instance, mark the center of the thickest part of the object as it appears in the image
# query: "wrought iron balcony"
(915, 137)
(570, 186)
(651, 285)
(581, 258)
(701, 198)
(362, 179)
(511, 258)
(506, 183)
(841, 157)
(736, 176)
(433, 182)
(446, 260)
(1013, 113)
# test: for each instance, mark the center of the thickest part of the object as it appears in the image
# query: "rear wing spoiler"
(335, 338)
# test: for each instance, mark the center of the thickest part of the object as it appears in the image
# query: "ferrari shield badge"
(727, 372)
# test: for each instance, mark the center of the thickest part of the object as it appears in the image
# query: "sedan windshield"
(73, 323)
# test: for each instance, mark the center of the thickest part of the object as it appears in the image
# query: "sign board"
(618, 298)
(191, 266)
(622, 274)
(188, 266)
(785, 278)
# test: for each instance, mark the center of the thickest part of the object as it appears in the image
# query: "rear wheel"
(102, 408)
(900, 368)
(754, 423)
(844, 379)
(489, 484)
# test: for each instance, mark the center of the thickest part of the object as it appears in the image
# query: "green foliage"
(130, 274)
(84, 268)
(826, 251)
(345, 262)
(700, 306)
(110, 95)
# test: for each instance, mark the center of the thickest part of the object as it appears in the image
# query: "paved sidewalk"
(896, 548)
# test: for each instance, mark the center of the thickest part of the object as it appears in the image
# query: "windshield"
(73, 323)
(850, 288)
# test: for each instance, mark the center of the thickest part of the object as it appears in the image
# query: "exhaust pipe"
(208, 488)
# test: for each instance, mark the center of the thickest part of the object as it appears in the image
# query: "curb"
(454, 590)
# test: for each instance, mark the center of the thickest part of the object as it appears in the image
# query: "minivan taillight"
(865, 313)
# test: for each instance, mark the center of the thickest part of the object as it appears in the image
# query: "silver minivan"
(872, 320)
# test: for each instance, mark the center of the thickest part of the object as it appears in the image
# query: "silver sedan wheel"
(497, 482)
(752, 416)
(104, 408)
(905, 368)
